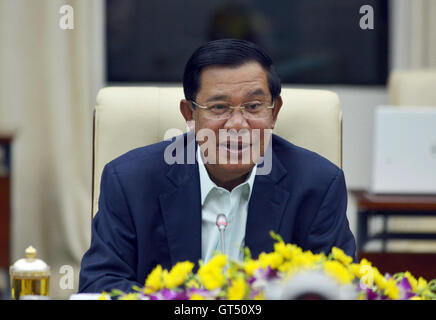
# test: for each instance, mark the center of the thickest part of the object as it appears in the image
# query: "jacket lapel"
(267, 203)
(181, 209)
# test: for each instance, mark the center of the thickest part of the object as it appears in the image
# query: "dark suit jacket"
(150, 213)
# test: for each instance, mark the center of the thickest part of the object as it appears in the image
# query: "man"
(152, 212)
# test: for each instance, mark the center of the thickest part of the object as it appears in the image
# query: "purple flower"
(143, 296)
(371, 295)
(174, 295)
(199, 291)
(254, 293)
(406, 288)
(204, 293)
(404, 284)
(166, 294)
(362, 286)
(271, 273)
(408, 295)
(266, 274)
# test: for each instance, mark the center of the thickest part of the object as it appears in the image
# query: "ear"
(186, 110)
(277, 105)
(187, 113)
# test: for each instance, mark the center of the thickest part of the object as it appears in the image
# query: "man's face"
(221, 85)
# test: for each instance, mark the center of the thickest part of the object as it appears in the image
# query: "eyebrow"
(217, 97)
(225, 97)
(257, 92)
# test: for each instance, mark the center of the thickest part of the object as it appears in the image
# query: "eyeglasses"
(254, 110)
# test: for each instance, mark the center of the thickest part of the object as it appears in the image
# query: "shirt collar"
(207, 185)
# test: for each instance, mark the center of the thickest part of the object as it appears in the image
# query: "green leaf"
(247, 254)
(115, 293)
(136, 288)
(432, 285)
(276, 236)
(398, 276)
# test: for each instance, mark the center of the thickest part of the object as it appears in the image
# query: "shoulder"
(149, 164)
(302, 162)
(141, 158)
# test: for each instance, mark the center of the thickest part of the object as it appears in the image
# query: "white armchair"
(130, 117)
(412, 87)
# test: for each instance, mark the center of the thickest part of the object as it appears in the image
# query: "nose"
(236, 121)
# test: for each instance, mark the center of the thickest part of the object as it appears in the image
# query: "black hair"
(227, 52)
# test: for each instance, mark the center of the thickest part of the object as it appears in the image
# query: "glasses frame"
(241, 108)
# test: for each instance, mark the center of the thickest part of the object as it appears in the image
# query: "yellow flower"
(320, 257)
(219, 260)
(295, 252)
(232, 271)
(307, 259)
(154, 280)
(192, 284)
(250, 266)
(177, 275)
(285, 250)
(379, 279)
(425, 294)
(237, 290)
(365, 262)
(104, 296)
(412, 280)
(272, 259)
(422, 284)
(211, 274)
(361, 295)
(338, 271)
(392, 290)
(338, 254)
(363, 271)
(415, 298)
(259, 296)
(355, 269)
(130, 296)
(286, 267)
(196, 296)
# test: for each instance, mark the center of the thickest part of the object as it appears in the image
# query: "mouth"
(235, 147)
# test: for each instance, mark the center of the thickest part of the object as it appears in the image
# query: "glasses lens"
(256, 110)
(249, 111)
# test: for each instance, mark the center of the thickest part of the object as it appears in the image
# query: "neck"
(225, 181)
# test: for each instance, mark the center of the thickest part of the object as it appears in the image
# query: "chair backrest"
(412, 87)
(130, 117)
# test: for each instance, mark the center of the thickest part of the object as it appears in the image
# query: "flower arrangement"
(253, 279)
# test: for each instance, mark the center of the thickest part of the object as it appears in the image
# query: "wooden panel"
(370, 201)
(418, 264)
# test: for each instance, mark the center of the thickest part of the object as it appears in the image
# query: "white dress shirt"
(234, 205)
